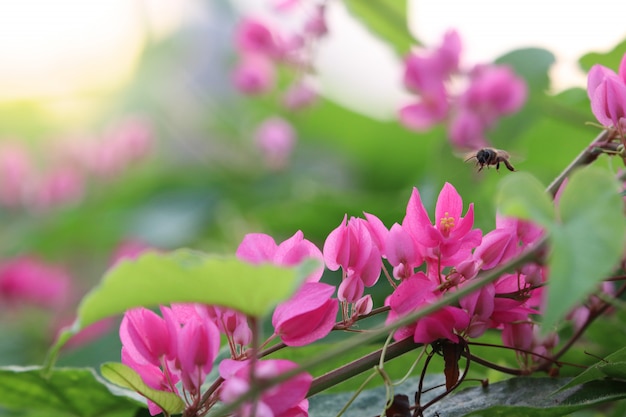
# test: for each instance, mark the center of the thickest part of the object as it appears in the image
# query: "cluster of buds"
(491, 91)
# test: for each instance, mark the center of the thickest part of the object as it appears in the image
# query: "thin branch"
(587, 156)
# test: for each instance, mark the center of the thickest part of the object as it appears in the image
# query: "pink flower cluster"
(263, 46)
(428, 260)
(607, 92)
(68, 165)
(491, 91)
(157, 347)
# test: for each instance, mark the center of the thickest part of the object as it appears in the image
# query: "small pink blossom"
(307, 316)
(351, 247)
(275, 138)
(63, 185)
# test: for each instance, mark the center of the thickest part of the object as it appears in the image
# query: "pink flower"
(275, 138)
(495, 90)
(63, 185)
(467, 131)
(608, 103)
(287, 399)
(198, 346)
(231, 323)
(607, 92)
(307, 316)
(253, 36)
(27, 279)
(147, 337)
(452, 236)
(15, 171)
(254, 74)
(402, 250)
(351, 247)
(415, 293)
(258, 247)
(421, 116)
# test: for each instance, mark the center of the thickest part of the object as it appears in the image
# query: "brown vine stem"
(587, 156)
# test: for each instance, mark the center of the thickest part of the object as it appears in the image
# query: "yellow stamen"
(446, 223)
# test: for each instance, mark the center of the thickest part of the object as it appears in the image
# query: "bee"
(490, 156)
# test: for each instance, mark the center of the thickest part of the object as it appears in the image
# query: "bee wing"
(466, 156)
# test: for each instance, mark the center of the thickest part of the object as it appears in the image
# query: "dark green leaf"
(523, 397)
(521, 195)
(66, 392)
(588, 242)
(387, 19)
(126, 377)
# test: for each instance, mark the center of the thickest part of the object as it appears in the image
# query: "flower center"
(446, 224)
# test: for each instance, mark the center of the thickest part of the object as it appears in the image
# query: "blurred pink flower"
(259, 247)
(299, 95)
(287, 399)
(61, 186)
(275, 138)
(27, 279)
(254, 36)
(254, 74)
(15, 172)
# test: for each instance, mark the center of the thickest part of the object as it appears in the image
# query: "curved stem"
(587, 156)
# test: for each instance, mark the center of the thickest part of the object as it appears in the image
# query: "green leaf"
(521, 195)
(186, 276)
(523, 397)
(612, 364)
(387, 19)
(66, 392)
(126, 377)
(609, 59)
(531, 63)
(588, 242)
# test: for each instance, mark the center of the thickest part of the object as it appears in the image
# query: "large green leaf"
(523, 397)
(587, 243)
(587, 239)
(126, 377)
(186, 276)
(66, 392)
(387, 19)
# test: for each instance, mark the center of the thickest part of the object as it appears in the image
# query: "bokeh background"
(121, 129)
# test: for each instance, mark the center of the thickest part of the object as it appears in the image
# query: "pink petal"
(417, 222)
(295, 250)
(421, 116)
(449, 204)
(257, 248)
(596, 75)
(401, 248)
(337, 247)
